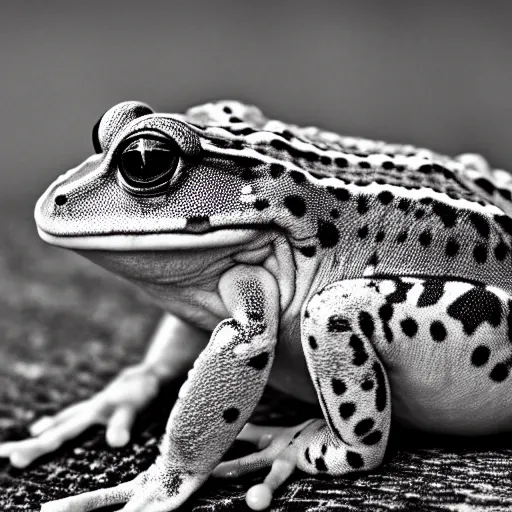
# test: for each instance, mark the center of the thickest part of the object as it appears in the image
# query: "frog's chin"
(153, 242)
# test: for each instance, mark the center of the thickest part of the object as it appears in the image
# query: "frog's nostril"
(60, 200)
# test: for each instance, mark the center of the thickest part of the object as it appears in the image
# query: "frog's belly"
(449, 402)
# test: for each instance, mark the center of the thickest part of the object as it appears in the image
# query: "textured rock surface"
(66, 328)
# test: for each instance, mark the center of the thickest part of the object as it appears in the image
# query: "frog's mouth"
(154, 242)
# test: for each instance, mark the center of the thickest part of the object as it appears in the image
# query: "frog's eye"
(146, 164)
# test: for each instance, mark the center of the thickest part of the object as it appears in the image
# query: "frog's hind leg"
(352, 389)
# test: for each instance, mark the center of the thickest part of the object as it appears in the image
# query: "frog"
(372, 279)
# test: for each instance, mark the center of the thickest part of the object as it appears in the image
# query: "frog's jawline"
(156, 242)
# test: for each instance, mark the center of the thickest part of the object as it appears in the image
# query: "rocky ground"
(67, 327)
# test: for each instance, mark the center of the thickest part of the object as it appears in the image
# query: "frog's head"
(157, 183)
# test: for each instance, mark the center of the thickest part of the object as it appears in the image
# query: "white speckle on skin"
(248, 198)
(246, 190)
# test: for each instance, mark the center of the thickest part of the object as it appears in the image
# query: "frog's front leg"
(352, 389)
(221, 391)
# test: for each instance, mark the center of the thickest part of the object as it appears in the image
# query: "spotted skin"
(364, 276)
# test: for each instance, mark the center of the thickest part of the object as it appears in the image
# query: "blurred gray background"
(436, 73)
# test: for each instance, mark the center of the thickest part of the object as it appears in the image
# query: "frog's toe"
(259, 435)
(282, 461)
(272, 442)
(92, 500)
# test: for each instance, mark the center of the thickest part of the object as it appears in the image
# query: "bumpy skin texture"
(371, 278)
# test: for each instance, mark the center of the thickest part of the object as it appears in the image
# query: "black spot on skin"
(227, 110)
(505, 222)
(306, 455)
(480, 223)
(298, 177)
(425, 238)
(380, 391)
(409, 327)
(362, 232)
(324, 449)
(452, 247)
(404, 204)
(296, 205)
(372, 438)
(364, 426)
(286, 134)
(306, 314)
(419, 213)
(364, 164)
(362, 205)
(426, 200)
(433, 290)
(380, 236)
(248, 175)
(327, 234)
(425, 169)
(480, 253)
(447, 213)
(366, 324)
(311, 156)
(231, 415)
(480, 355)
(320, 464)
(475, 307)
(499, 373)
(347, 409)
(437, 331)
(374, 260)
(312, 342)
(485, 185)
(258, 362)
(335, 213)
(400, 293)
(325, 160)
(360, 355)
(387, 165)
(385, 314)
(261, 204)
(297, 434)
(367, 385)
(402, 237)
(276, 170)
(61, 199)
(337, 323)
(308, 251)
(501, 251)
(506, 193)
(342, 194)
(341, 162)
(354, 460)
(385, 197)
(338, 386)
(198, 224)
(234, 119)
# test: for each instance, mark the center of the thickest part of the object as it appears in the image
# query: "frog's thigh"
(350, 381)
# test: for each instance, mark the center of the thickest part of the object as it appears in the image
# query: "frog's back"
(386, 209)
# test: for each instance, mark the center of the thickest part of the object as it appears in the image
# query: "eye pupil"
(148, 163)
